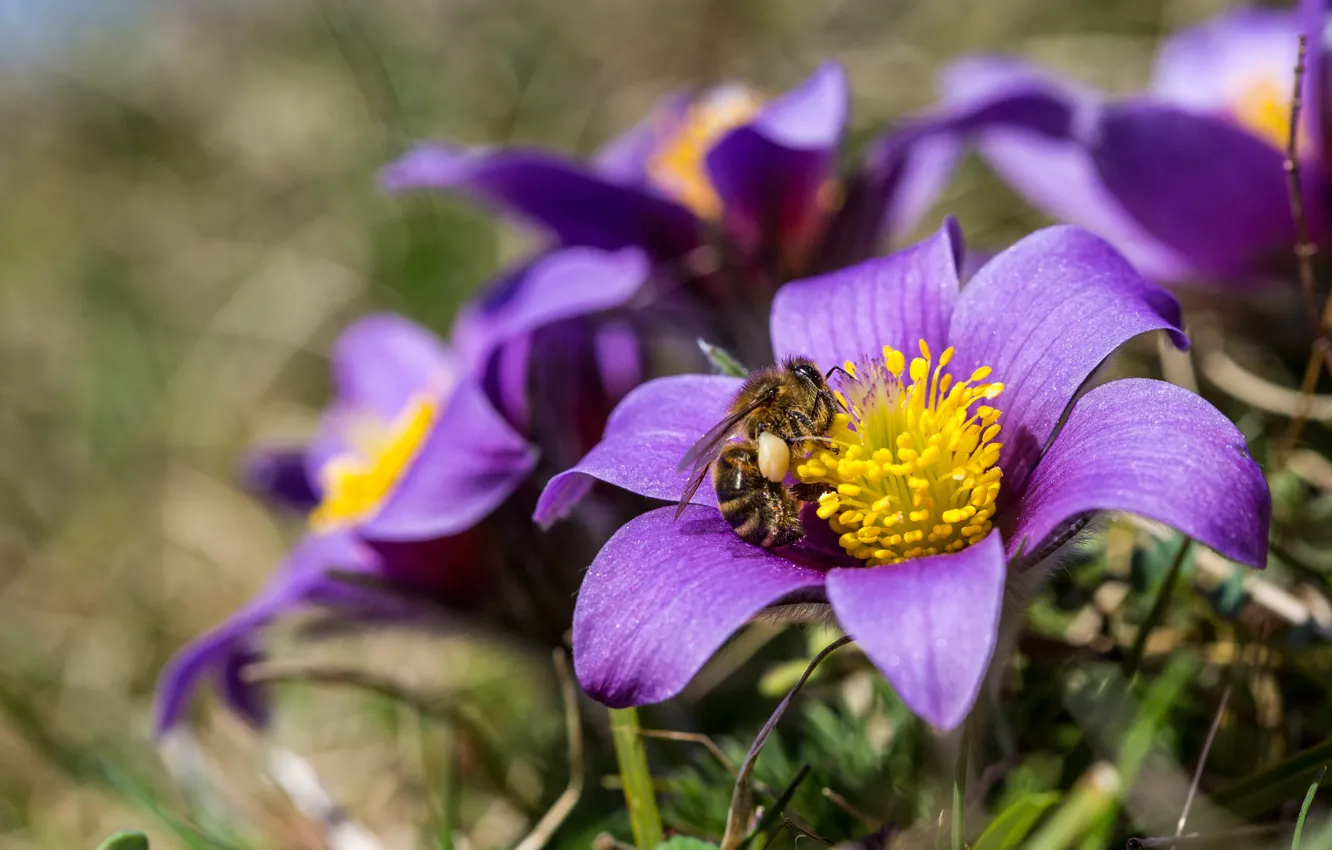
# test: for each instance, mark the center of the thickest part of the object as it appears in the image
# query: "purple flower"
(409, 457)
(949, 465)
(764, 172)
(1186, 178)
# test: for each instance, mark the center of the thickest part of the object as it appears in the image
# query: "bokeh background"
(188, 215)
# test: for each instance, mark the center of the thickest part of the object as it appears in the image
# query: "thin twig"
(845, 805)
(1158, 609)
(573, 729)
(1259, 392)
(693, 738)
(737, 817)
(1304, 252)
(1304, 249)
(1202, 761)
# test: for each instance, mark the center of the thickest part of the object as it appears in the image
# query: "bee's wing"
(708, 444)
(701, 454)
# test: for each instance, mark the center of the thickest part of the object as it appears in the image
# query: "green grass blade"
(1163, 597)
(128, 840)
(1014, 823)
(1269, 788)
(644, 817)
(1304, 810)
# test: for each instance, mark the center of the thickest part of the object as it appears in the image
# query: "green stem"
(1163, 597)
(638, 793)
(1304, 810)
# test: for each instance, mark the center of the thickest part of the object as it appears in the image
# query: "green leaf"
(723, 363)
(1304, 810)
(128, 840)
(1013, 824)
(684, 842)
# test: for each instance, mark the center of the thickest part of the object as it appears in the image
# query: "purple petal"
(224, 651)
(382, 360)
(558, 285)
(895, 300)
(645, 438)
(1026, 125)
(579, 206)
(769, 172)
(281, 475)
(1317, 104)
(1043, 315)
(1226, 211)
(624, 158)
(662, 596)
(1155, 449)
(929, 624)
(468, 464)
(1210, 67)
(902, 175)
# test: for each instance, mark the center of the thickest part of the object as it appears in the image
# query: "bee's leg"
(810, 492)
(801, 424)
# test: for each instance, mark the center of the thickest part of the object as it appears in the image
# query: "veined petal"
(645, 438)
(468, 464)
(1043, 314)
(894, 300)
(1027, 125)
(769, 172)
(1227, 212)
(579, 206)
(227, 649)
(1154, 449)
(929, 624)
(663, 595)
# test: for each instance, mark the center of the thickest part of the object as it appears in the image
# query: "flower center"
(913, 463)
(356, 483)
(1263, 108)
(679, 167)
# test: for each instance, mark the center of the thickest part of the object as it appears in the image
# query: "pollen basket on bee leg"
(774, 457)
(913, 469)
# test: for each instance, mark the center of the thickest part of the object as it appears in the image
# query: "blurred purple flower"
(763, 172)
(1186, 178)
(903, 550)
(409, 457)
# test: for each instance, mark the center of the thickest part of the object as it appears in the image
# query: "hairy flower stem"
(644, 817)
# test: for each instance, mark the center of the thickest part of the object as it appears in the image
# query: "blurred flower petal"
(1226, 211)
(281, 475)
(575, 203)
(470, 462)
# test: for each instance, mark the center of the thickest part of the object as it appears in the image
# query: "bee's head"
(807, 371)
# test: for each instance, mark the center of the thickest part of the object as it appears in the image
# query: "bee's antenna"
(829, 373)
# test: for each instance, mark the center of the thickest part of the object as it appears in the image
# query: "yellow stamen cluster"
(1263, 108)
(679, 167)
(355, 484)
(912, 462)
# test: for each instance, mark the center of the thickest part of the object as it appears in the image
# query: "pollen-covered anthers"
(679, 167)
(356, 483)
(913, 463)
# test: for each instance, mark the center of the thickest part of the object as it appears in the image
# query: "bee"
(784, 404)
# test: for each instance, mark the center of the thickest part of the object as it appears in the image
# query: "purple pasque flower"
(1186, 178)
(408, 458)
(949, 465)
(761, 171)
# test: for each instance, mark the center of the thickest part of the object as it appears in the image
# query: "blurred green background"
(188, 215)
